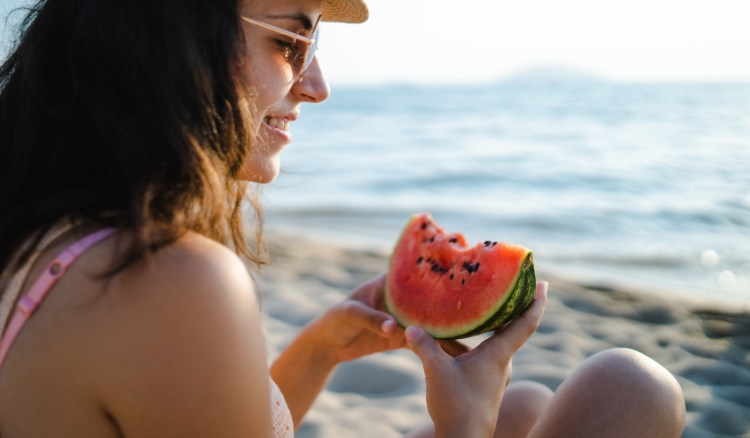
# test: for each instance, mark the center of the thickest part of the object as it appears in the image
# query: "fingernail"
(544, 288)
(411, 333)
(387, 325)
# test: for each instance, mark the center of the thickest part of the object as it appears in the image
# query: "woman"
(128, 131)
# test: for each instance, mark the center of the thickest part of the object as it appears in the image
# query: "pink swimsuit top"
(283, 426)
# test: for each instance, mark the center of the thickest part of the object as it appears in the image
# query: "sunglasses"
(301, 55)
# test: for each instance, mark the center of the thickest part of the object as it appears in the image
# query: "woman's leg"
(615, 393)
(522, 404)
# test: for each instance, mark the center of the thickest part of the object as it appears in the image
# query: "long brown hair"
(129, 113)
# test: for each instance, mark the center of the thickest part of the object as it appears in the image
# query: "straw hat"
(345, 11)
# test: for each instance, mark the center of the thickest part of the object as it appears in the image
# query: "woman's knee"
(638, 371)
(526, 398)
(638, 382)
(523, 403)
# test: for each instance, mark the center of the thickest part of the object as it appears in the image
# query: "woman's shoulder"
(193, 284)
(187, 327)
(192, 275)
(192, 268)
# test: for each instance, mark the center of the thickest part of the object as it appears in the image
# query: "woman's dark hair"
(128, 113)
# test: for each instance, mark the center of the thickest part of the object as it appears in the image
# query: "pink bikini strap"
(28, 304)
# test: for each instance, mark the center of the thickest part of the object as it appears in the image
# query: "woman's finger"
(453, 347)
(360, 315)
(427, 348)
(371, 292)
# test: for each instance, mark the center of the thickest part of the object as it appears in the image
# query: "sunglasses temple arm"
(280, 30)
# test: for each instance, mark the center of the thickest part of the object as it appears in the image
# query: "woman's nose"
(313, 86)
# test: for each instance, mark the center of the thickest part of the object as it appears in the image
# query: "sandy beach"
(706, 347)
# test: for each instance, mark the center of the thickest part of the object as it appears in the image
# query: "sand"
(706, 348)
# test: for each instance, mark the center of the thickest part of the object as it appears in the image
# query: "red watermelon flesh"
(437, 282)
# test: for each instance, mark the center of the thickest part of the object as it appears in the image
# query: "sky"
(477, 41)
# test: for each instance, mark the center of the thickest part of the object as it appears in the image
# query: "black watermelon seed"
(424, 225)
(454, 240)
(432, 239)
(476, 267)
(487, 243)
(451, 276)
(494, 243)
(463, 281)
(419, 260)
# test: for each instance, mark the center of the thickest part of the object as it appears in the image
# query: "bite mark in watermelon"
(437, 282)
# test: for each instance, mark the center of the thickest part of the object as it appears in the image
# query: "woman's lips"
(279, 126)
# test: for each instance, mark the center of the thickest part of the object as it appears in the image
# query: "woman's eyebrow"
(307, 22)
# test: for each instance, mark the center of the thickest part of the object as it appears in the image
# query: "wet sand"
(707, 347)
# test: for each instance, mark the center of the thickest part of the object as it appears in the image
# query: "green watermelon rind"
(519, 298)
(515, 302)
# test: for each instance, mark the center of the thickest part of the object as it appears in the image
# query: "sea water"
(640, 184)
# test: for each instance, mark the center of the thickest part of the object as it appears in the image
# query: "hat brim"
(345, 11)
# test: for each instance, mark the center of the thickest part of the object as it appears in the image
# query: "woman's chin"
(262, 173)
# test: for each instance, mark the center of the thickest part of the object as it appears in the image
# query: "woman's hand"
(353, 328)
(464, 393)
(358, 325)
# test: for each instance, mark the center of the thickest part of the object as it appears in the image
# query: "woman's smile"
(279, 126)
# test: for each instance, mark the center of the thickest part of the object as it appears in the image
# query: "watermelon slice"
(450, 290)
